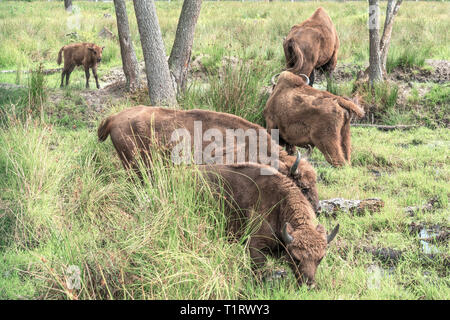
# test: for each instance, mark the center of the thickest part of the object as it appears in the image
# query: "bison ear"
(320, 228)
(286, 233)
(103, 47)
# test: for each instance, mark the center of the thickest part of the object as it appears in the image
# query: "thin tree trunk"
(129, 61)
(160, 87)
(375, 73)
(181, 51)
(391, 11)
(68, 5)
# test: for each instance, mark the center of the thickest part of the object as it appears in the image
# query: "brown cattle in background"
(134, 130)
(307, 117)
(77, 54)
(312, 44)
(281, 217)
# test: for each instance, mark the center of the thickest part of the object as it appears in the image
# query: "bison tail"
(104, 128)
(60, 56)
(352, 107)
(296, 57)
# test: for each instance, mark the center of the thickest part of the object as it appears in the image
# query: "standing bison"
(307, 117)
(134, 130)
(77, 54)
(312, 44)
(280, 216)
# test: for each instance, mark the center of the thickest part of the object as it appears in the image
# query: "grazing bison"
(312, 44)
(281, 218)
(136, 129)
(77, 54)
(307, 117)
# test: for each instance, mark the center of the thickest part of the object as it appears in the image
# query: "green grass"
(66, 200)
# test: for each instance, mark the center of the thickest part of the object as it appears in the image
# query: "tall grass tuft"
(236, 90)
(406, 57)
(70, 204)
(381, 98)
(36, 88)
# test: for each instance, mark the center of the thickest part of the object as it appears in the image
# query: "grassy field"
(66, 201)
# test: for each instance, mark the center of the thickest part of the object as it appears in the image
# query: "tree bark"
(375, 73)
(182, 47)
(160, 87)
(129, 61)
(68, 5)
(391, 11)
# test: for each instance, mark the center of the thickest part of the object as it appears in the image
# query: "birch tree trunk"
(160, 87)
(375, 73)
(182, 47)
(129, 61)
(68, 5)
(391, 11)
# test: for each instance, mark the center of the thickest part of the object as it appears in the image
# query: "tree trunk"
(68, 5)
(184, 38)
(160, 87)
(375, 73)
(391, 12)
(129, 61)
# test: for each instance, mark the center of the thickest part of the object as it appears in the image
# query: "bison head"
(306, 248)
(96, 52)
(304, 176)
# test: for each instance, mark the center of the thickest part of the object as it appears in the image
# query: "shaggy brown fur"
(267, 205)
(77, 54)
(131, 132)
(312, 44)
(307, 117)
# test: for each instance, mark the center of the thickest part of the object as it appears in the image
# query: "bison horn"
(306, 77)
(333, 234)
(295, 165)
(287, 238)
(273, 79)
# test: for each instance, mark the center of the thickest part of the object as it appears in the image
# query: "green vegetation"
(66, 200)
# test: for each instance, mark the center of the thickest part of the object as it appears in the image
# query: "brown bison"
(136, 129)
(312, 44)
(307, 117)
(77, 54)
(281, 218)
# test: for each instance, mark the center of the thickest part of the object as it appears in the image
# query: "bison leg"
(94, 72)
(62, 78)
(86, 72)
(291, 149)
(346, 140)
(68, 72)
(258, 258)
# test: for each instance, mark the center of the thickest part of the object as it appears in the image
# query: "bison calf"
(77, 54)
(312, 44)
(307, 117)
(280, 216)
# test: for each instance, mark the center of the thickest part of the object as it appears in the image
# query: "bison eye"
(305, 190)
